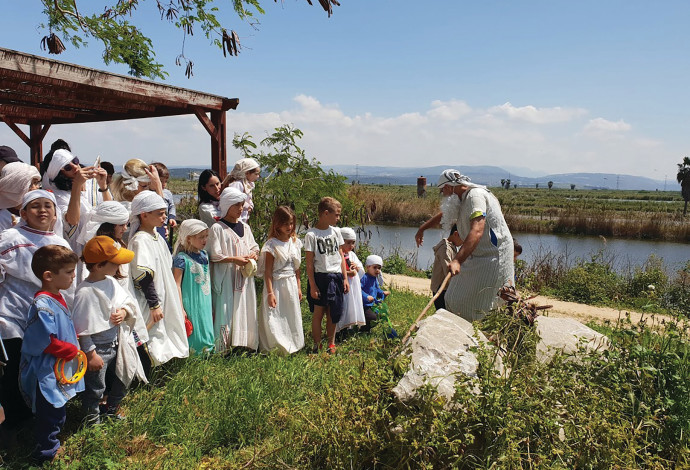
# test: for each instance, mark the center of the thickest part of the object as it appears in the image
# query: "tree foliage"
(289, 178)
(126, 43)
(683, 177)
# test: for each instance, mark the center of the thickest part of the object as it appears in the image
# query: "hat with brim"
(103, 248)
(249, 269)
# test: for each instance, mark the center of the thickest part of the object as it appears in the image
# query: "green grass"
(628, 408)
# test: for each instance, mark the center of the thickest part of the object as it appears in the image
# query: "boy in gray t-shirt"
(326, 269)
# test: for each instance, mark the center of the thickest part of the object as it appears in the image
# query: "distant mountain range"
(492, 176)
(487, 175)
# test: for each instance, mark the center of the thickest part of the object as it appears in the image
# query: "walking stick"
(415, 325)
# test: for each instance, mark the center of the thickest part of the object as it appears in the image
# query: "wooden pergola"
(40, 92)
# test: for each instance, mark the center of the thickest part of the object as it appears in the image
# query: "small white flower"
(651, 287)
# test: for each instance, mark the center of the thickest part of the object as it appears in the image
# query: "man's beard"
(450, 206)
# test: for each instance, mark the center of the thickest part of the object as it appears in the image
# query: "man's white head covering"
(37, 194)
(242, 166)
(188, 228)
(228, 198)
(61, 157)
(15, 179)
(107, 211)
(348, 233)
(374, 259)
(145, 201)
(131, 182)
(453, 177)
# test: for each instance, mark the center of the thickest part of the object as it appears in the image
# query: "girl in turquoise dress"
(191, 272)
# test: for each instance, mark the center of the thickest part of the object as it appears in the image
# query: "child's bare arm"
(343, 268)
(268, 278)
(309, 255)
(178, 274)
(298, 275)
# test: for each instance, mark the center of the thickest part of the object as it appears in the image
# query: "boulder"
(566, 336)
(439, 351)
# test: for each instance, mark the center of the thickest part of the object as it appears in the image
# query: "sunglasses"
(74, 162)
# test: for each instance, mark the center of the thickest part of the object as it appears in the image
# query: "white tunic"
(280, 328)
(234, 296)
(18, 284)
(168, 337)
(93, 304)
(7, 219)
(353, 308)
(474, 291)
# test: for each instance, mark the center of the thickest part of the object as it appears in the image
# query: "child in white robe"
(103, 317)
(233, 252)
(151, 270)
(243, 176)
(280, 318)
(353, 311)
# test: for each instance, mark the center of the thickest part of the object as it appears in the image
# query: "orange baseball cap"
(102, 248)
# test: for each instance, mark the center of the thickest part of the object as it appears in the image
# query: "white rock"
(439, 351)
(567, 336)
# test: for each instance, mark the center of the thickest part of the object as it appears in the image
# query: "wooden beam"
(37, 133)
(219, 161)
(16, 129)
(206, 122)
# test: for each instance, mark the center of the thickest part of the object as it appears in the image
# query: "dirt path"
(580, 312)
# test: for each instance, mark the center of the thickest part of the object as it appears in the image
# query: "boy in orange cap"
(104, 314)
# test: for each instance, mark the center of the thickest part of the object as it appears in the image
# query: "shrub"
(590, 282)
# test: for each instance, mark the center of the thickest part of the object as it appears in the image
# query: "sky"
(535, 87)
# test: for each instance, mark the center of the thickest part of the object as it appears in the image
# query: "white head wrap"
(453, 177)
(242, 166)
(188, 228)
(374, 259)
(36, 194)
(229, 197)
(107, 211)
(145, 201)
(15, 179)
(131, 182)
(61, 157)
(348, 233)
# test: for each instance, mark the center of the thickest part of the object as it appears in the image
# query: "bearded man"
(484, 262)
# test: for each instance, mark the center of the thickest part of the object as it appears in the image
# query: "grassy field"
(628, 408)
(650, 215)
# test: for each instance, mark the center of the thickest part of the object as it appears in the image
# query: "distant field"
(650, 215)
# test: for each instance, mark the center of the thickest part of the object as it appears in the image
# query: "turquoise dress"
(196, 298)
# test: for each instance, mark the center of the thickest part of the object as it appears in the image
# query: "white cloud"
(548, 140)
(601, 126)
(538, 115)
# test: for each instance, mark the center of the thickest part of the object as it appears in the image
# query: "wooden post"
(36, 135)
(219, 155)
(421, 186)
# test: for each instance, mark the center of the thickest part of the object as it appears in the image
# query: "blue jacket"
(370, 287)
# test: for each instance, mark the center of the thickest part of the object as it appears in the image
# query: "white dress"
(234, 296)
(168, 337)
(353, 309)
(474, 291)
(280, 328)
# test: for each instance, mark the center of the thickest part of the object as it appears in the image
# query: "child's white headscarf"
(61, 157)
(188, 228)
(145, 201)
(15, 180)
(374, 259)
(107, 211)
(242, 166)
(348, 234)
(228, 198)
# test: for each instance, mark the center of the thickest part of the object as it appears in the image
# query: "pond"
(387, 239)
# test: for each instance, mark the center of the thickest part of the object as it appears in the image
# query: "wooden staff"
(415, 325)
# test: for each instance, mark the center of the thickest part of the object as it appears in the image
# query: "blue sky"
(552, 86)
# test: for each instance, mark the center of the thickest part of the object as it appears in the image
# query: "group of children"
(137, 305)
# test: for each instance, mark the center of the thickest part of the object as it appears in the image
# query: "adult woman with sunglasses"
(66, 179)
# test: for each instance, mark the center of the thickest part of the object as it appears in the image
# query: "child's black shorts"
(330, 286)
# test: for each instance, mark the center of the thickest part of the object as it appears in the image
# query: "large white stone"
(439, 351)
(566, 336)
